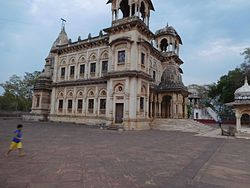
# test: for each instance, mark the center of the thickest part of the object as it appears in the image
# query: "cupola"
(128, 9)
(243, 93)
(168, 40)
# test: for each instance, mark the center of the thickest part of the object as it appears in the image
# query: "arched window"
(142, 11)
(125, 8)
(164, 45)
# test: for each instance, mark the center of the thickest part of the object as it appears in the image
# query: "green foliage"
(226, 86)
(223, 91)
(18, 92)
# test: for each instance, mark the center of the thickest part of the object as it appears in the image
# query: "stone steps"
(184, 125)
(243, 135)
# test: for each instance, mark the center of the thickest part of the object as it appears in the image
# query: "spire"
(63, 24)
(62, 37)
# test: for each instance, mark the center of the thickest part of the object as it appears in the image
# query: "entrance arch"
(245, 119)
(166, 107)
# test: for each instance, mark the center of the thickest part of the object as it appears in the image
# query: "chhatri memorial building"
(126, 76)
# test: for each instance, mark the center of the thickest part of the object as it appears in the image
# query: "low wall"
(12, 113)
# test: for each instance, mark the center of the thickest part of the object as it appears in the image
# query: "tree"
(245, 66)
(226, 86)
(223, 91)
(18, 92)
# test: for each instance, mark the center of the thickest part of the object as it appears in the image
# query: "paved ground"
(73, 156)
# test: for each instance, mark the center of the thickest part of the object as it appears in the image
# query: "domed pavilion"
(241, 103)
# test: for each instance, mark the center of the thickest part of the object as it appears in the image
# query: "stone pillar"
(178, 50)
(113, 15)
(130, 11)
(238, 122)
(159, 107)
(133, 102)
(156, 111)
(151, 109)
(53, 101)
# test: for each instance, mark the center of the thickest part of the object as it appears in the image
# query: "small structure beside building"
(241, 103)
(197, 110)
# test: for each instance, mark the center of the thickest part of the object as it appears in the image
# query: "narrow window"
(60, 105)
(141, 103)
(91, 106)
(121, 57)
(92, 67)
(72, 71)
(82, 69)
(79, 105)
(69, 105)
(142, 58)
(37, 101)
(104, 66)
(133, 9)
(102, 106)
(154, 75)
(62, 72)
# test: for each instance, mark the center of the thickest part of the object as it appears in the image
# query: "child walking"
(17, 141)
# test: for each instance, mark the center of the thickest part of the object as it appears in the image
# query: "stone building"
(124, 77)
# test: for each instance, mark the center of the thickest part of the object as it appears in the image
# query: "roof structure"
(149, 1)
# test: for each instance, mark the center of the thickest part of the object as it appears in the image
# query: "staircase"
(212, 113)
(183, 125)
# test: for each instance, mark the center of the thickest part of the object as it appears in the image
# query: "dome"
(61, 39)
(171, 79)
(243, 93)
(168, 30)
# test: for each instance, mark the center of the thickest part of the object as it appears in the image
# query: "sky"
(214, 32)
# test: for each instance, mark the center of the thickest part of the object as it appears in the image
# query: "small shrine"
(241, 103)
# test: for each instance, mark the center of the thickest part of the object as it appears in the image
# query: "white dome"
(243, 93)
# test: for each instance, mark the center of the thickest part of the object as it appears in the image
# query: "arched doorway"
(166, 107)
(245, 120)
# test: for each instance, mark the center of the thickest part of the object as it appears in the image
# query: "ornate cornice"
(132, 73)
(128, 24)
(80, 45)
(101, 80)
(127, 39)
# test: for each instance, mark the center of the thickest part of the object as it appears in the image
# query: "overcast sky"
(214, 32)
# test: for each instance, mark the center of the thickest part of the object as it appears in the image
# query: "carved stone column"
(238, 122)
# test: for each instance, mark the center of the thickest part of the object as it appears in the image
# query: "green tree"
(223, 91)
(226, 86)
(18, 92)
(245, 66)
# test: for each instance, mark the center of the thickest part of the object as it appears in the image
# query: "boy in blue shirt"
(17, 141)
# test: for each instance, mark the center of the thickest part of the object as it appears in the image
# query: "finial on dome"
(246, 81)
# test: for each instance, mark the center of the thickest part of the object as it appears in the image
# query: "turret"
(168, 40)
(123, 9)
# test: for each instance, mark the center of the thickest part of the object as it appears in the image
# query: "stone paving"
(74, 156)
